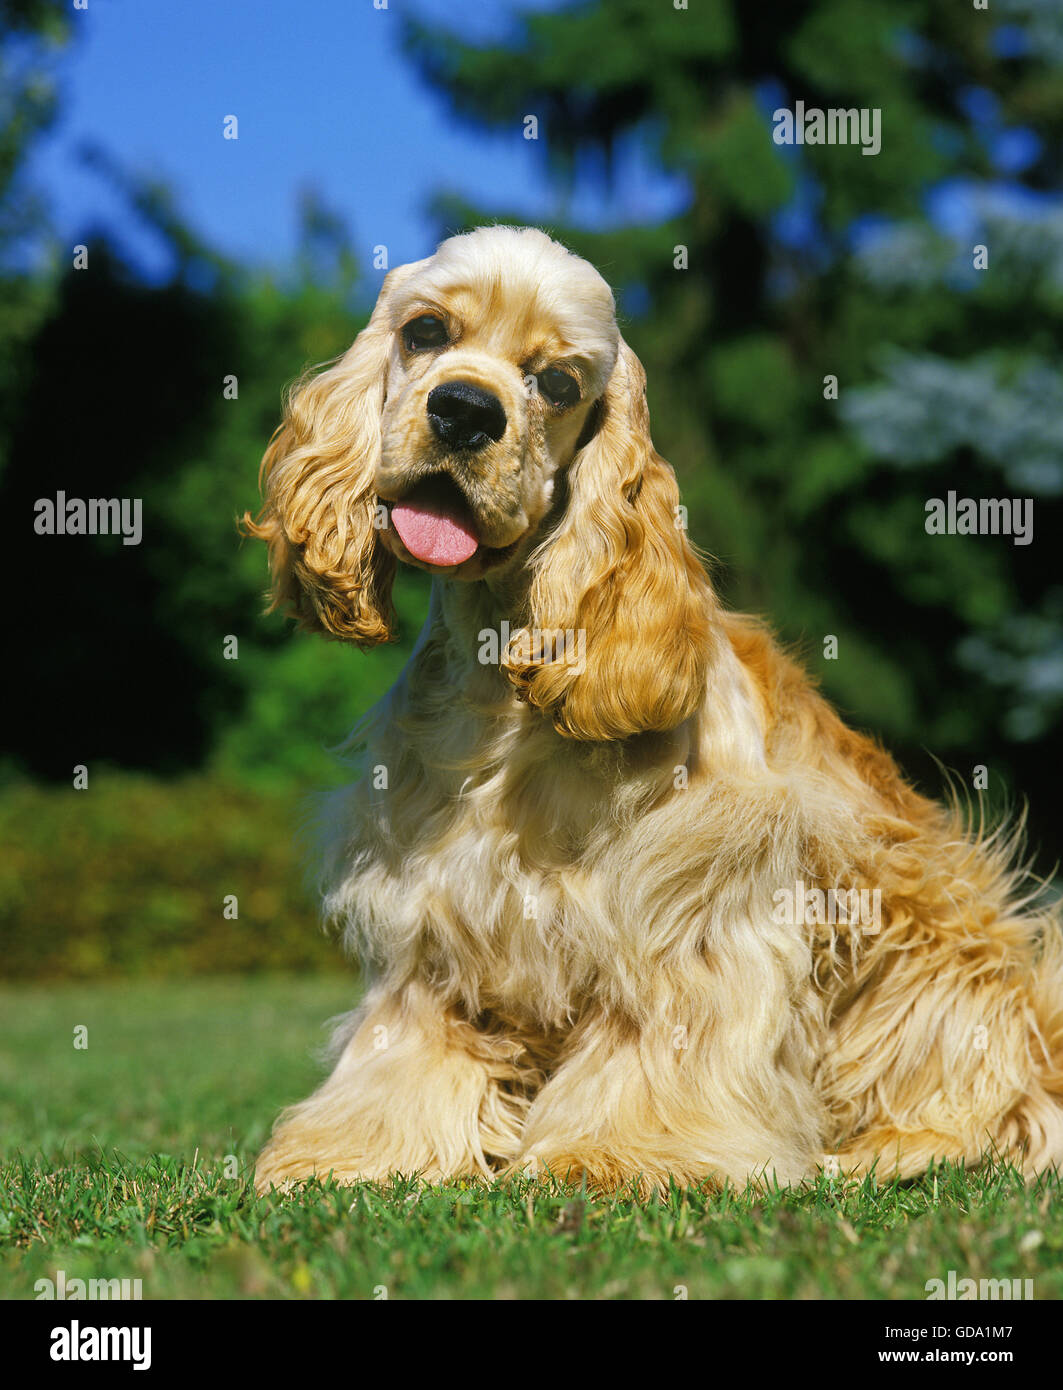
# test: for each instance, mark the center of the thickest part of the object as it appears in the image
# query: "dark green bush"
(130, 876)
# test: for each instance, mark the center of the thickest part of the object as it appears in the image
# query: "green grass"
(115, 1163)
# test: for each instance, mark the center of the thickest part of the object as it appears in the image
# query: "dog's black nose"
(465, 417)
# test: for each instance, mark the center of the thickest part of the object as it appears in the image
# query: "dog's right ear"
(330, 571)
(619, 573)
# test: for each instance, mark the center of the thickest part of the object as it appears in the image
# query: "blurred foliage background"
(800, 263)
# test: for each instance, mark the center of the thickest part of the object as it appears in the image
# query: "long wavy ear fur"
(619, 577)
(330, 571)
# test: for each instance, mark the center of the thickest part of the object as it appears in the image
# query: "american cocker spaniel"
(634, 904)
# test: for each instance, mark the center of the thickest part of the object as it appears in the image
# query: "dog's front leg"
(697, 1103)
(416, 1089)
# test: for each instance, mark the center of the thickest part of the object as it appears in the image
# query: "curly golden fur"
(566, 864)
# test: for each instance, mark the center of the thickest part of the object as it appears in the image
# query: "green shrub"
(130, 877)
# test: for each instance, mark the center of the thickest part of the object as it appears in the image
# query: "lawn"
(131, 1158)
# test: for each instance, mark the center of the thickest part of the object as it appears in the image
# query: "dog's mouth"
(435, 524)
(435, 527)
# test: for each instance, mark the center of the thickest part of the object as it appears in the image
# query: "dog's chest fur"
(528, 874)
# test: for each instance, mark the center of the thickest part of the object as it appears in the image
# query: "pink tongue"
(433, 535)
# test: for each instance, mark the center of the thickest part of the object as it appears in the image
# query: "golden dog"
(633, 901)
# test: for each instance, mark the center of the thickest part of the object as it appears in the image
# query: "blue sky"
(324, 97)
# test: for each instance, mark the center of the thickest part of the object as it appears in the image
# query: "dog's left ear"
(330, 571)
(620, 580)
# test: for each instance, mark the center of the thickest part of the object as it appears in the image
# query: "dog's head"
(490, 415)
(498, 348)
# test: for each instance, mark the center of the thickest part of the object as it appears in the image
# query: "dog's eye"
(426, 331)
(560, 387)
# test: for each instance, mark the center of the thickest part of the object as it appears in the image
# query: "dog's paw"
(596, 1170)
(277, 1170)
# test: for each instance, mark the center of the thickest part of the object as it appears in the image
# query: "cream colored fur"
(566, 894)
